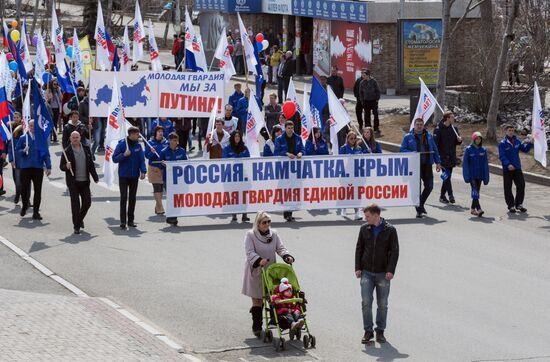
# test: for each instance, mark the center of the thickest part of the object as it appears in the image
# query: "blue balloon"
(70, 52)
(13, 66)
(46, 77)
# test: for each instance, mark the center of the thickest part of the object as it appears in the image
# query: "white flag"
(193, 43)
(58, 45)
(538, 129)
(291, 92)
(308, 120)
(138, 36)
(426, 104)
(25, 53)
(125, 65)
(41, 59)
(116, 130)
(210, 129)
(26, 116)
(339, 118)
(156, 65)
(222, 53)
(77, 59)
(254, 123)
(102, 49)
(248, 48)
(5, 76)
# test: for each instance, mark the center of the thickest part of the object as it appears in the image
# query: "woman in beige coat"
(261, 246)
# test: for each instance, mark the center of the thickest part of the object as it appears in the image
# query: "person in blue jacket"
(155, 175)
(32, 163)
(241, 110)
(420, 140)
(351, 147)
(289, 144)
(174, 152)
(234, 98)
(14, 160)
(269, 147)
(508, 152)
(131, 159)
(316, 144)
(475, 170)
(368, 136)
(166, 125)
(236, 149)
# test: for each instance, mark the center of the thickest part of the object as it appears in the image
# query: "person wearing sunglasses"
(262, 243)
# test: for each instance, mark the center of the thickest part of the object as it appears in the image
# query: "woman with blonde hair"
(262, 243)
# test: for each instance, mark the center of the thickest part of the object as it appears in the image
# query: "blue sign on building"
(331, 10)
(229, 6)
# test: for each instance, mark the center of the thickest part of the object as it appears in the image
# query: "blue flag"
(20, 66)
(43, 123)
(317, 102)
(65, 81)
(116, 61)
(260, 75)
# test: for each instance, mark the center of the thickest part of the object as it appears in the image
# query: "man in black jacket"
(446, 138)
(78, 166)
(358, 104)
(289, 68)
(376, 257)
(370, 95)
(336, 83)
(74, 124)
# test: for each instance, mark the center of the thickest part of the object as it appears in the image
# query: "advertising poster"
(230, 186)
(321, 47)
(421, 45)
(350, 49)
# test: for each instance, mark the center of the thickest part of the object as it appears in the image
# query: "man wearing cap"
(508, 152)
(78, 165)
(370, 95)
(131, 159)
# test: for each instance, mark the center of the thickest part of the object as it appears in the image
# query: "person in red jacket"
(176, 48)
(289, 314)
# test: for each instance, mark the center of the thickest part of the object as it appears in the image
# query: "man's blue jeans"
(370, 281)
(99, 134)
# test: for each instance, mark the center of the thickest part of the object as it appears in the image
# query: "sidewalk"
(46, 327)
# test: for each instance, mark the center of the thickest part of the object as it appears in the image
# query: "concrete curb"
(494, 169)
(79, 293)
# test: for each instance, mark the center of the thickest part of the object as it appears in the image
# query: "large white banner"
(157, 94)
(230, 186)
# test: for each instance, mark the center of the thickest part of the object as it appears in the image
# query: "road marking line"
(75, 290)
(41, 268)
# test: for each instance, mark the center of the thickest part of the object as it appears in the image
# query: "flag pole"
(23, 103)
(67, 158)
(12, 145)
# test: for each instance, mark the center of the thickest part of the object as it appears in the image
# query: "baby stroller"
(271, 277)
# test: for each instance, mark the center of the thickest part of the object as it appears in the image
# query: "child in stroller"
(289, 314)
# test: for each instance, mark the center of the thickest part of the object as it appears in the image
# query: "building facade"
(352, 35)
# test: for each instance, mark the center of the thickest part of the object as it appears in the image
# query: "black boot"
(256, 320)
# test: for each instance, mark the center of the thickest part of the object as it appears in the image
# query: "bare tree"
(34, 16)
(497, 83)
(448, 33)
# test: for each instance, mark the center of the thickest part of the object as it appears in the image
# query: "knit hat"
(284, 285)
(476, 134)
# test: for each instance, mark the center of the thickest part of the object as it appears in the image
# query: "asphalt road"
(466, 288)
